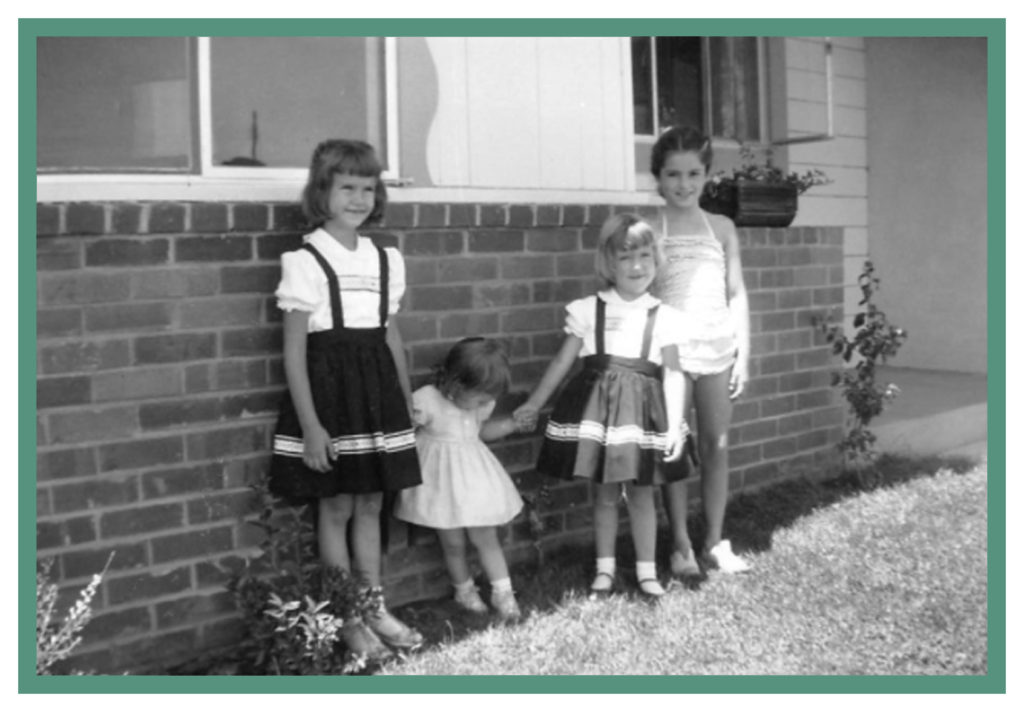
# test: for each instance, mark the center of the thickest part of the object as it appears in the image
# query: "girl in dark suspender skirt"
(618, 422)
(344, 435)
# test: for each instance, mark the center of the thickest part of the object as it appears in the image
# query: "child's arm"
(316, 442)
(498, 428)
(674, 386)
(739, 308)
(526, 414)
(394, 340)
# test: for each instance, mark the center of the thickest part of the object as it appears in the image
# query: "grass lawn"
(846, 581)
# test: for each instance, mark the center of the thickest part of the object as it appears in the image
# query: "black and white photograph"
(657, 348)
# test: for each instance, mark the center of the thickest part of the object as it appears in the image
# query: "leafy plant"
(874, 341)
(752, 169)
(56, 638)
(533, 500)
(293, 606)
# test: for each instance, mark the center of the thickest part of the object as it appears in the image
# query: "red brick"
(752, 432)
(434, 243)
(84, 219)
(257, 404)
(778, 448)
(763, 301)
(417, 327)
(423, 357)
(828, 416)
(752, 279)
(250, 217)
(93, 424)
(461, 324)
(137, 384)
(439, 298)
(562, 291)
(242, 311)
(794, 423)
(552, 240)
(814, 399)
(178, 412)
(432, 215)
(182, 480)
(65, 533)
(126, 219)
(546, 345)
(801, 381)
(486, 295)
(757, 387)
(148, 585)
(780, 363)
(470, 269)
(167, 348)
(527, 266)
(762, 344)
(47, 219)
(744, 411)
(109, 626)
(252, 342)
(126, 253)
(193, 609)
(574, 215)
(55, 392)
(213, 249)
(79, 356)
(810, 276)
(190, 545)
(579, 265)
(493, 215)
(271, 247)
(760, 474)
(530, 319)
(262, 279)
(760, 257)
(549, 215)
(95, 493)
(128, 317)
(521, 216)
(226, 442)
(217, 572)
(79, 288)
(793, 256)
(166, 217)
(497, 241)
(54, 255)
(209, 217)
(597, 214)
(814, 439)
(777, 406)
(62, 464)
(58, 322)
(140, 453)
(178, 282)
(289, 216)
(776, 321)
(813, 359)
(236, 375)
(141, 520)
(794, 340)
(76, 564)
(230, 506)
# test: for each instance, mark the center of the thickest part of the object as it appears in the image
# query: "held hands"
(525, 417)
(675, 441)
(317, 453)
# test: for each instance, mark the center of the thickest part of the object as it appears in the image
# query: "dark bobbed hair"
(678, 139)
(339, 156)
(622, 233)
(474, 364)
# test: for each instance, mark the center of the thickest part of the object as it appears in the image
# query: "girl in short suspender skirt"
(618, 422)
(344, 435)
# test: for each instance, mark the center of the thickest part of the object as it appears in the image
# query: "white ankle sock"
(503, 584)
(465, 586)
(606, 565)
(646, 570)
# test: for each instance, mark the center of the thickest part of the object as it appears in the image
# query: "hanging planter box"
(753, 203)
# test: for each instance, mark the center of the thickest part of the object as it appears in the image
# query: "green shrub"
(56, 638)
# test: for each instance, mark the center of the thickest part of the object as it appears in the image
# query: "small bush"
(56, 638)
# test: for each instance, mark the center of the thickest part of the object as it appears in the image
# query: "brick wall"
(159, 373)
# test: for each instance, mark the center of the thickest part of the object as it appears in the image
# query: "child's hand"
(738, 379)
(675, 441)
(526, 417)
(317, 453)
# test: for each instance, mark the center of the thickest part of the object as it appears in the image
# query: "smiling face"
(633, 271)
(351, 200)
(681, 179)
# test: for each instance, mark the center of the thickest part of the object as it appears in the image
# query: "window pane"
(113, 103)
(735, 95)
(275, 98)
(680, 93)
(643, 95)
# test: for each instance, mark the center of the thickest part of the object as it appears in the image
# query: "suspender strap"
(384, 280)
(599, 327)
(337, 318)
(645, 351)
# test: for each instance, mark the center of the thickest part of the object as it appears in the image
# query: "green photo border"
(993, 29)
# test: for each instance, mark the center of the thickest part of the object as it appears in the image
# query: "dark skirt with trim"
(610, 425)
(359, 402)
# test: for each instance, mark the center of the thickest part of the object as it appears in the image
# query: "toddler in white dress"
(466, 493)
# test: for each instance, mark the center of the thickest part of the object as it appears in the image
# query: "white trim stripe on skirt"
(352, 444)
(607, 436)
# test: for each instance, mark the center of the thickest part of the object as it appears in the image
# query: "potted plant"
(758, 193)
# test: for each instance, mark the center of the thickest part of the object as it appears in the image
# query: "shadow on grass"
(751, 520)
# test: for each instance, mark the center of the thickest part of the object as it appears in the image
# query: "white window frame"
(705, 52)
(213, 182)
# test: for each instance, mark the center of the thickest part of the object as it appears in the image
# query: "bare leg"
(714, 413)
(675, 493)
(606, 518)
(366, 537)
(642, 520)
(492, 558)
(453, 545)
(332, 530)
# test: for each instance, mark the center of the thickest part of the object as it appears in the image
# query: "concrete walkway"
(936, 412)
